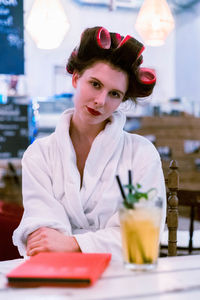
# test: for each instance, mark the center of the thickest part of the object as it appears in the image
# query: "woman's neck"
(84, 131)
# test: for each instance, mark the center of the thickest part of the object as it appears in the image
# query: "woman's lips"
(93, 111)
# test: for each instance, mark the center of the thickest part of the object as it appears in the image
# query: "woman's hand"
(47, 239)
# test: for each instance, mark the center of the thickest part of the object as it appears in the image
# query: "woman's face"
(99, 91)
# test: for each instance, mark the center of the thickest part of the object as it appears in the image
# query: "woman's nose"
(100, 99)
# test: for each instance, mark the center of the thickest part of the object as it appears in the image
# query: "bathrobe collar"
(103, 147)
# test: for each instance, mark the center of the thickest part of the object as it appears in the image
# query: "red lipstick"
(93, 111)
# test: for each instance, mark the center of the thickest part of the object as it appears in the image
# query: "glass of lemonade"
(140, 230)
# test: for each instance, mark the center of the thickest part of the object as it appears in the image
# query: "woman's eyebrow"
(94, 78)
(116, 90)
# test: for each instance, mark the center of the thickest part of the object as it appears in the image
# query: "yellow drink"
(140, 229)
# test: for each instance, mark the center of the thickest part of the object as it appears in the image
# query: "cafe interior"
(36, 39)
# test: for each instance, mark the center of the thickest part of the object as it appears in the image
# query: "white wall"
(187, 59)
(39, 64)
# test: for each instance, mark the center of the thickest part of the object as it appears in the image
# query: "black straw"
(120, 187)
(130, 181)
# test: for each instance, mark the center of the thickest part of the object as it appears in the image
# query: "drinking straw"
(121, 188)
(130, 181)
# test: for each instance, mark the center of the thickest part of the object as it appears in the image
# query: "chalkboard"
(14, 130)
(11, 37)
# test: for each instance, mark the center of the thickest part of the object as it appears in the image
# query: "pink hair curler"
(128, 37)
(118, 37)
(147, 76)
(139, 54)
(103, 38)
(124, 40)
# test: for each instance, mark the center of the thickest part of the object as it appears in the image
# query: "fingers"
(37, 232)
(37, 241)
(49, 239)
(38, 235)
(36, 250)
(34, 247)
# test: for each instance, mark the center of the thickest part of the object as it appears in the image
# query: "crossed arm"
(47, 239)
(60, 239)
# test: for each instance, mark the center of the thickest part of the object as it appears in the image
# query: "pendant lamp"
(47, 23)
(154, 22)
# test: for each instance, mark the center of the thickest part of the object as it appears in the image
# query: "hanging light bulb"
(154, 22)
(47, 23)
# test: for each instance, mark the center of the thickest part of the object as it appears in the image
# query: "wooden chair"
(190, 200)
(175, 199)
(172, 208)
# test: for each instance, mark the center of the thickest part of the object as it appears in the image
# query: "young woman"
(70, 194)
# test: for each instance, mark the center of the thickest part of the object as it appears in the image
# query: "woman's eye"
(95, 84)
(115, 94)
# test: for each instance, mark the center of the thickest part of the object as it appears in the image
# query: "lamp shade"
(154, 22)
(47, 23)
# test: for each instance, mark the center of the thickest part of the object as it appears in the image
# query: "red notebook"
(60, 269)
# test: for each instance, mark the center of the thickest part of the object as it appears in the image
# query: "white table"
(176, 278)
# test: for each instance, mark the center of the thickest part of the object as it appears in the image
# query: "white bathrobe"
(52, 196)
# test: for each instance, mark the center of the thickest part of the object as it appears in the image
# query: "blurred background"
(41, 77)
(36, 39)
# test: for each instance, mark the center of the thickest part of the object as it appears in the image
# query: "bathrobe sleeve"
(103, 240)
(40, 207)
(148, 170)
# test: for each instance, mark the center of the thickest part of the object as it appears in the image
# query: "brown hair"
(124, 53)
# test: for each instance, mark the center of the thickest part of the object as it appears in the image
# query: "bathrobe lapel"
(103, 147)
(71, 174)
(101, 152)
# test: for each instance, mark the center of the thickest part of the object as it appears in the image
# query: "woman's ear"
(75, 78)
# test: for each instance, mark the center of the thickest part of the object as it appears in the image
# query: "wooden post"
(172, 208)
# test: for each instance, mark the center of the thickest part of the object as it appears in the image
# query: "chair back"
(190, 200)
(172, 207)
